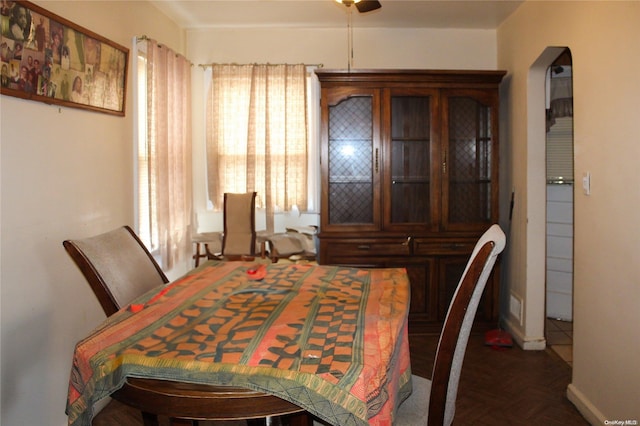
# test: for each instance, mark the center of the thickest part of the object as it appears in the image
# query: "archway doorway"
(536, 201)
(559, 206)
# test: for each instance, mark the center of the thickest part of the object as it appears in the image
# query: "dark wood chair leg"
(302, 419)
(197, 256)
(149, 419)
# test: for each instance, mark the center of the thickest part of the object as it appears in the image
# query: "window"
(147, 212)
(258, 135)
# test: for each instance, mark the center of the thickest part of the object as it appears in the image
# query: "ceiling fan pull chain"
(363, 6)
(349, 39)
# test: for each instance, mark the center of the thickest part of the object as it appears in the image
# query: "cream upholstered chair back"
(435, 399)
(459, 320)
(117, 266)
(239, 236)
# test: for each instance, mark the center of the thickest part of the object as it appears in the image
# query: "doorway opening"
(559, 206)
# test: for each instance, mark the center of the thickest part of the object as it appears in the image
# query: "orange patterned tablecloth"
(339, 334)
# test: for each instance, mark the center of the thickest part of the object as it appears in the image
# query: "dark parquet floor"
(497, 387)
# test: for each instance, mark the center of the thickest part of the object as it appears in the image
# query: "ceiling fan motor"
(362, 5)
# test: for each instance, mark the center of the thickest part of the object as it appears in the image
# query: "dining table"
(339, 333)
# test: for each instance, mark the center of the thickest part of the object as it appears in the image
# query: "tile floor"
(559, 336)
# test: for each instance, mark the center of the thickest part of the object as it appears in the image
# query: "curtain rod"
(142, 38)
(145, 38)
(205, 66)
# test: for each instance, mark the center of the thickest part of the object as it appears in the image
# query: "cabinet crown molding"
(406, 75)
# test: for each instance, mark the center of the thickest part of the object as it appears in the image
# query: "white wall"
(373, 47)
(604, 39)
(65, 173)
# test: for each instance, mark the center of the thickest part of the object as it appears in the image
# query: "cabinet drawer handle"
(377, 164)
(407, 241)
(444, 163)
(364, 247)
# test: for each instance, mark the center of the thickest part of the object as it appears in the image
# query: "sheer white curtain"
(257, 135)
(167, 160)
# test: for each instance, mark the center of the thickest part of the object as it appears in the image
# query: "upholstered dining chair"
(433, 401)
(119, 268)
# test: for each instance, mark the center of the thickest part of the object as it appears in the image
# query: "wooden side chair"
(119, 268)
(433, 401)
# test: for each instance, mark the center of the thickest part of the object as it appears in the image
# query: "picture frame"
(47, 58)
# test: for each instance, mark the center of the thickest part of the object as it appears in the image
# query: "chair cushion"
(286, 244)
(213, 240)
(306, 235)
(414, 411)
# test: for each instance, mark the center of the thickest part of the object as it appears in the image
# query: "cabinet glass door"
(352, 162)
(469, 166)
(410, 155)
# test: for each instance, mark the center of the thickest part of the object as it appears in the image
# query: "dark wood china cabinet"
(409, 165)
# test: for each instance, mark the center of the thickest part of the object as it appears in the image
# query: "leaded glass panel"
(469, 162)
(350, 161)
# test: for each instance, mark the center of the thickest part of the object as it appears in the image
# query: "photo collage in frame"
(47, 58)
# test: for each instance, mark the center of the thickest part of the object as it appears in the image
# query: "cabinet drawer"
(443, 247)
(364, 247)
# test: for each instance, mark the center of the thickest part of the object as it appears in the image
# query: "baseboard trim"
(526, 343)
(584, 406)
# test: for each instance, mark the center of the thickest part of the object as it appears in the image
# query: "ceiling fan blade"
(368, 5)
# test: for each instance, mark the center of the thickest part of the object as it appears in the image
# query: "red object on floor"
(498, 339)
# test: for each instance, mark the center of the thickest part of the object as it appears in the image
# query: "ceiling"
(473, 14)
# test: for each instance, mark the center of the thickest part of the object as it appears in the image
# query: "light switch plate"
(586, 183)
